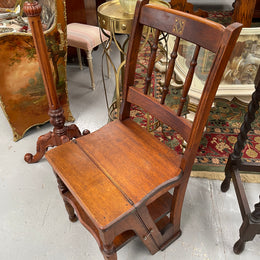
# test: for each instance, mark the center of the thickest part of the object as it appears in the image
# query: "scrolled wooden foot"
(57, 137)
(225, 184)
(239, 247)
(228, 171)
(28, 157)
(43, 143)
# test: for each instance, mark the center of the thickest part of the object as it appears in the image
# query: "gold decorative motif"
(179, 26)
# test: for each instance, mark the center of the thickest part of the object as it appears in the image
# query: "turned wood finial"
(32, 8)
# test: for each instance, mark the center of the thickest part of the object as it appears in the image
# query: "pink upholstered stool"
(86, 37)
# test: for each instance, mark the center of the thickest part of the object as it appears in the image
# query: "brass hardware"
(122, 21)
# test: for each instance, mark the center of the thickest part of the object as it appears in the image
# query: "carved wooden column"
(60, 133)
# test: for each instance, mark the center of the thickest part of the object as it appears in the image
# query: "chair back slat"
(179, 23)
(188, 80)
(151, 61)
(170, 69)
(161, 112)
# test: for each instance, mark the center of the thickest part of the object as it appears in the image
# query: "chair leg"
(109, 252)
(79, 58)
(63, 189)
(72, 216)
(108, 249)
(90, 64)
(178, 198)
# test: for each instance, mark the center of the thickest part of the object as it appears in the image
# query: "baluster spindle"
(151, 61)
(170, 69)
(188, 80)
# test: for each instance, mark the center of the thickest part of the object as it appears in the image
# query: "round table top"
(112, 17)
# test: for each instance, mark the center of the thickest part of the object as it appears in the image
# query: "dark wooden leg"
(251, 220)
(228, 175)
(72, 216)
(255, 215)
(239, 247)
(234, 159)
(63, 189)
(248, 230)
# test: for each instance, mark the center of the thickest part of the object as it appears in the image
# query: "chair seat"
(84, 36)
(102, 190)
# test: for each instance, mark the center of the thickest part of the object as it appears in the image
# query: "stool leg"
(79, 58)
(109, 252)
(90, 64)
(63, 189)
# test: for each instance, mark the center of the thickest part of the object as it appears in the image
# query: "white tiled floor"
(33, 220)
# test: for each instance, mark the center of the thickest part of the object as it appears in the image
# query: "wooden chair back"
(204, 34)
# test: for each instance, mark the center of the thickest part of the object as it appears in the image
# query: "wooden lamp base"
(60, 134)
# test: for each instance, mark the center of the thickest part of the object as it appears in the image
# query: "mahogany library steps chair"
(121, 180)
